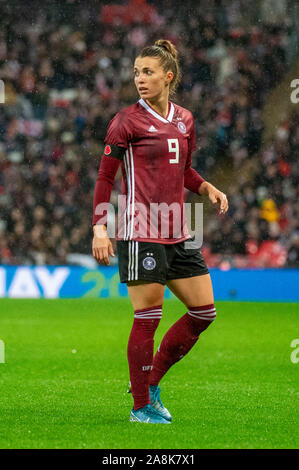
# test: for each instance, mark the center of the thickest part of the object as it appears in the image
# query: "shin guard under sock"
(140, 352)
(180, 338)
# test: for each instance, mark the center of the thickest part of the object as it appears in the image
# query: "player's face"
(150, 79)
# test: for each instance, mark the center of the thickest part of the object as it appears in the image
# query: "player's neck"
(160, 105)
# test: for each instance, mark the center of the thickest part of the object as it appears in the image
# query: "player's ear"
(169, 77)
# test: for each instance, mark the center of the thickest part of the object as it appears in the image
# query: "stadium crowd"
(67, 70)
(263, 227)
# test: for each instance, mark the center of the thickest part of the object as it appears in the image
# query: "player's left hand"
(216, 196)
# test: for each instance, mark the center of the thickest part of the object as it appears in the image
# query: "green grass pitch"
(63, 383)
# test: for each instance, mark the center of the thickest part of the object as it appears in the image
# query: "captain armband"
(114, 151)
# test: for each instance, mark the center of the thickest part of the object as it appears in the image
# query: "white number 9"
(173, 146)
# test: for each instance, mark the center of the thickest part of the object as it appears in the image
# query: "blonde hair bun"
(168, 46)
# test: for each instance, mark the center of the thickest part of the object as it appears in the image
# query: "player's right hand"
(101, 245)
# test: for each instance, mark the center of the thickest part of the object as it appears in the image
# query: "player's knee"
(204, 312)
(149, 313)
(202, 316)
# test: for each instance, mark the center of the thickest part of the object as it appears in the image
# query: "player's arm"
(119, 133)
(215, 195)
(192, 179)
(195, 183)
(101, 244)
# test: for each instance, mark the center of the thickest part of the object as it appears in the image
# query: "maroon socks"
(177, 342)
(180, 338)
(140, 352)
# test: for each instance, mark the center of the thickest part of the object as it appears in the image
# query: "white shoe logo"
(152, 129)
(148, 420)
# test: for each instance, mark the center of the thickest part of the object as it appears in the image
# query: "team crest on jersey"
(182, 127)
(149, 263)
(107, 150)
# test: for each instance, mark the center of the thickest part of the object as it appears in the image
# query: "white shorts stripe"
(133, 260)
(136, 261)
(130, 261)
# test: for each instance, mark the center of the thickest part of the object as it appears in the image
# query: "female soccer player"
(153, 140)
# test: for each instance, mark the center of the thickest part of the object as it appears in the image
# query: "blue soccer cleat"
(154, 393)
(147, 415)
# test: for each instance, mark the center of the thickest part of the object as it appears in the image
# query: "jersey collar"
(157, 115)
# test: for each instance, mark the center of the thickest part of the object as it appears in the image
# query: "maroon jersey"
(157, 155)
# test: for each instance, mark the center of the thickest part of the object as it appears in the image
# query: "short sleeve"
(119, 132)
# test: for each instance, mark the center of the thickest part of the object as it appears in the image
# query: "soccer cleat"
(154, 393)
(147, 415)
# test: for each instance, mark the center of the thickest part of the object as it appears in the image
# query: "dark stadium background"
(67, 69)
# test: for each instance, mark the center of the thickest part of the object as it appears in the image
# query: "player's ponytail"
(167, 46)
(164, 50)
